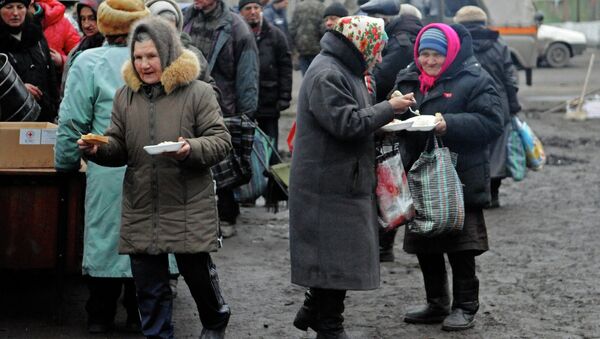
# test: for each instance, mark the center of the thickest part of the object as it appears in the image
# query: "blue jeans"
(151, 275)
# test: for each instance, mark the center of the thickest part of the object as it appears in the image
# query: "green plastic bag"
(516, 158)
(259, 159)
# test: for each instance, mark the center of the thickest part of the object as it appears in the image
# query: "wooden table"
(41, 224)
(41, 220)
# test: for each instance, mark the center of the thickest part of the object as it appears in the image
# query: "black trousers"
(271, 128)
(151, 274)
(227, 207)
(465, 284)
(495, 186)
(101, 305)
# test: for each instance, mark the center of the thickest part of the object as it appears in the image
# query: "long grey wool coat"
(333, 230)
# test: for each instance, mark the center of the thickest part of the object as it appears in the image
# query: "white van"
(516, 20)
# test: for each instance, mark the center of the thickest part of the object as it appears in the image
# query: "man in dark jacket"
(226, 41)
(275, 68)
(333, 13)
(306, 30)
(398, 53)
(275, 13)
(494, 56)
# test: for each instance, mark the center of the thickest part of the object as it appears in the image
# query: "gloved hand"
(282, 105)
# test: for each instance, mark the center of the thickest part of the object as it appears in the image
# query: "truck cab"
(516, 20)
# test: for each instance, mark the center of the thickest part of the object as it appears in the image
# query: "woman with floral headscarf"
(447, 78)
(333, 229)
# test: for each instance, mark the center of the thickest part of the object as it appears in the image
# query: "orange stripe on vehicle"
(530, 30)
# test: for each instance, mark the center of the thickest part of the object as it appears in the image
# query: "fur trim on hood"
(181, 72)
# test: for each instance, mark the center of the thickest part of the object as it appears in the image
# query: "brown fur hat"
(116, 16)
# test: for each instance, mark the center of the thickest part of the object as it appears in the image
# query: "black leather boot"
(330, 307)
(494, 190)
(436, 310)
(462, 317)
(464, 307)
(438, 295)
(213, 334)
(386, 245)
(306, 316)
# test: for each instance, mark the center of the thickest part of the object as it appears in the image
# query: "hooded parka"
(333, 226)
(168, 206)
(466, 96)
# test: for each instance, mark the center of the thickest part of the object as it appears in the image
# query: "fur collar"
(181, 72)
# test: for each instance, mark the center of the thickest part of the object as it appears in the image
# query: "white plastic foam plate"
(162, 148)
(396, 125)
(422, 123)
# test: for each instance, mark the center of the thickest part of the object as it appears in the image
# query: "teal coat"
(86, 107)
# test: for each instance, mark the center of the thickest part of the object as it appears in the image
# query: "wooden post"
(578, 114)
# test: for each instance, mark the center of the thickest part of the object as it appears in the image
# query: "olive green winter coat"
(169, 206)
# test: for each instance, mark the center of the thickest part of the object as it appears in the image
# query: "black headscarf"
(95, 40)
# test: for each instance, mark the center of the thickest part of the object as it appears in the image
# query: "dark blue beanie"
(434, 39)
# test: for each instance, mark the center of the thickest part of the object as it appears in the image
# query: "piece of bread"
(94, 139)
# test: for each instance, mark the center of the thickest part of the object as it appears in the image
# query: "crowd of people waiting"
(142, 73)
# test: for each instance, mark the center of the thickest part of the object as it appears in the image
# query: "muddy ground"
(540, 278)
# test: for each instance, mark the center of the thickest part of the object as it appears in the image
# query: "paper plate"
(422, 123)
(162, 148)
(397, 125)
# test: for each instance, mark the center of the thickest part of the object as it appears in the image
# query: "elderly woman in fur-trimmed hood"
(168, 199)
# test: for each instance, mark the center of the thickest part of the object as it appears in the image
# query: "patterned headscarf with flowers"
(366, 33)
